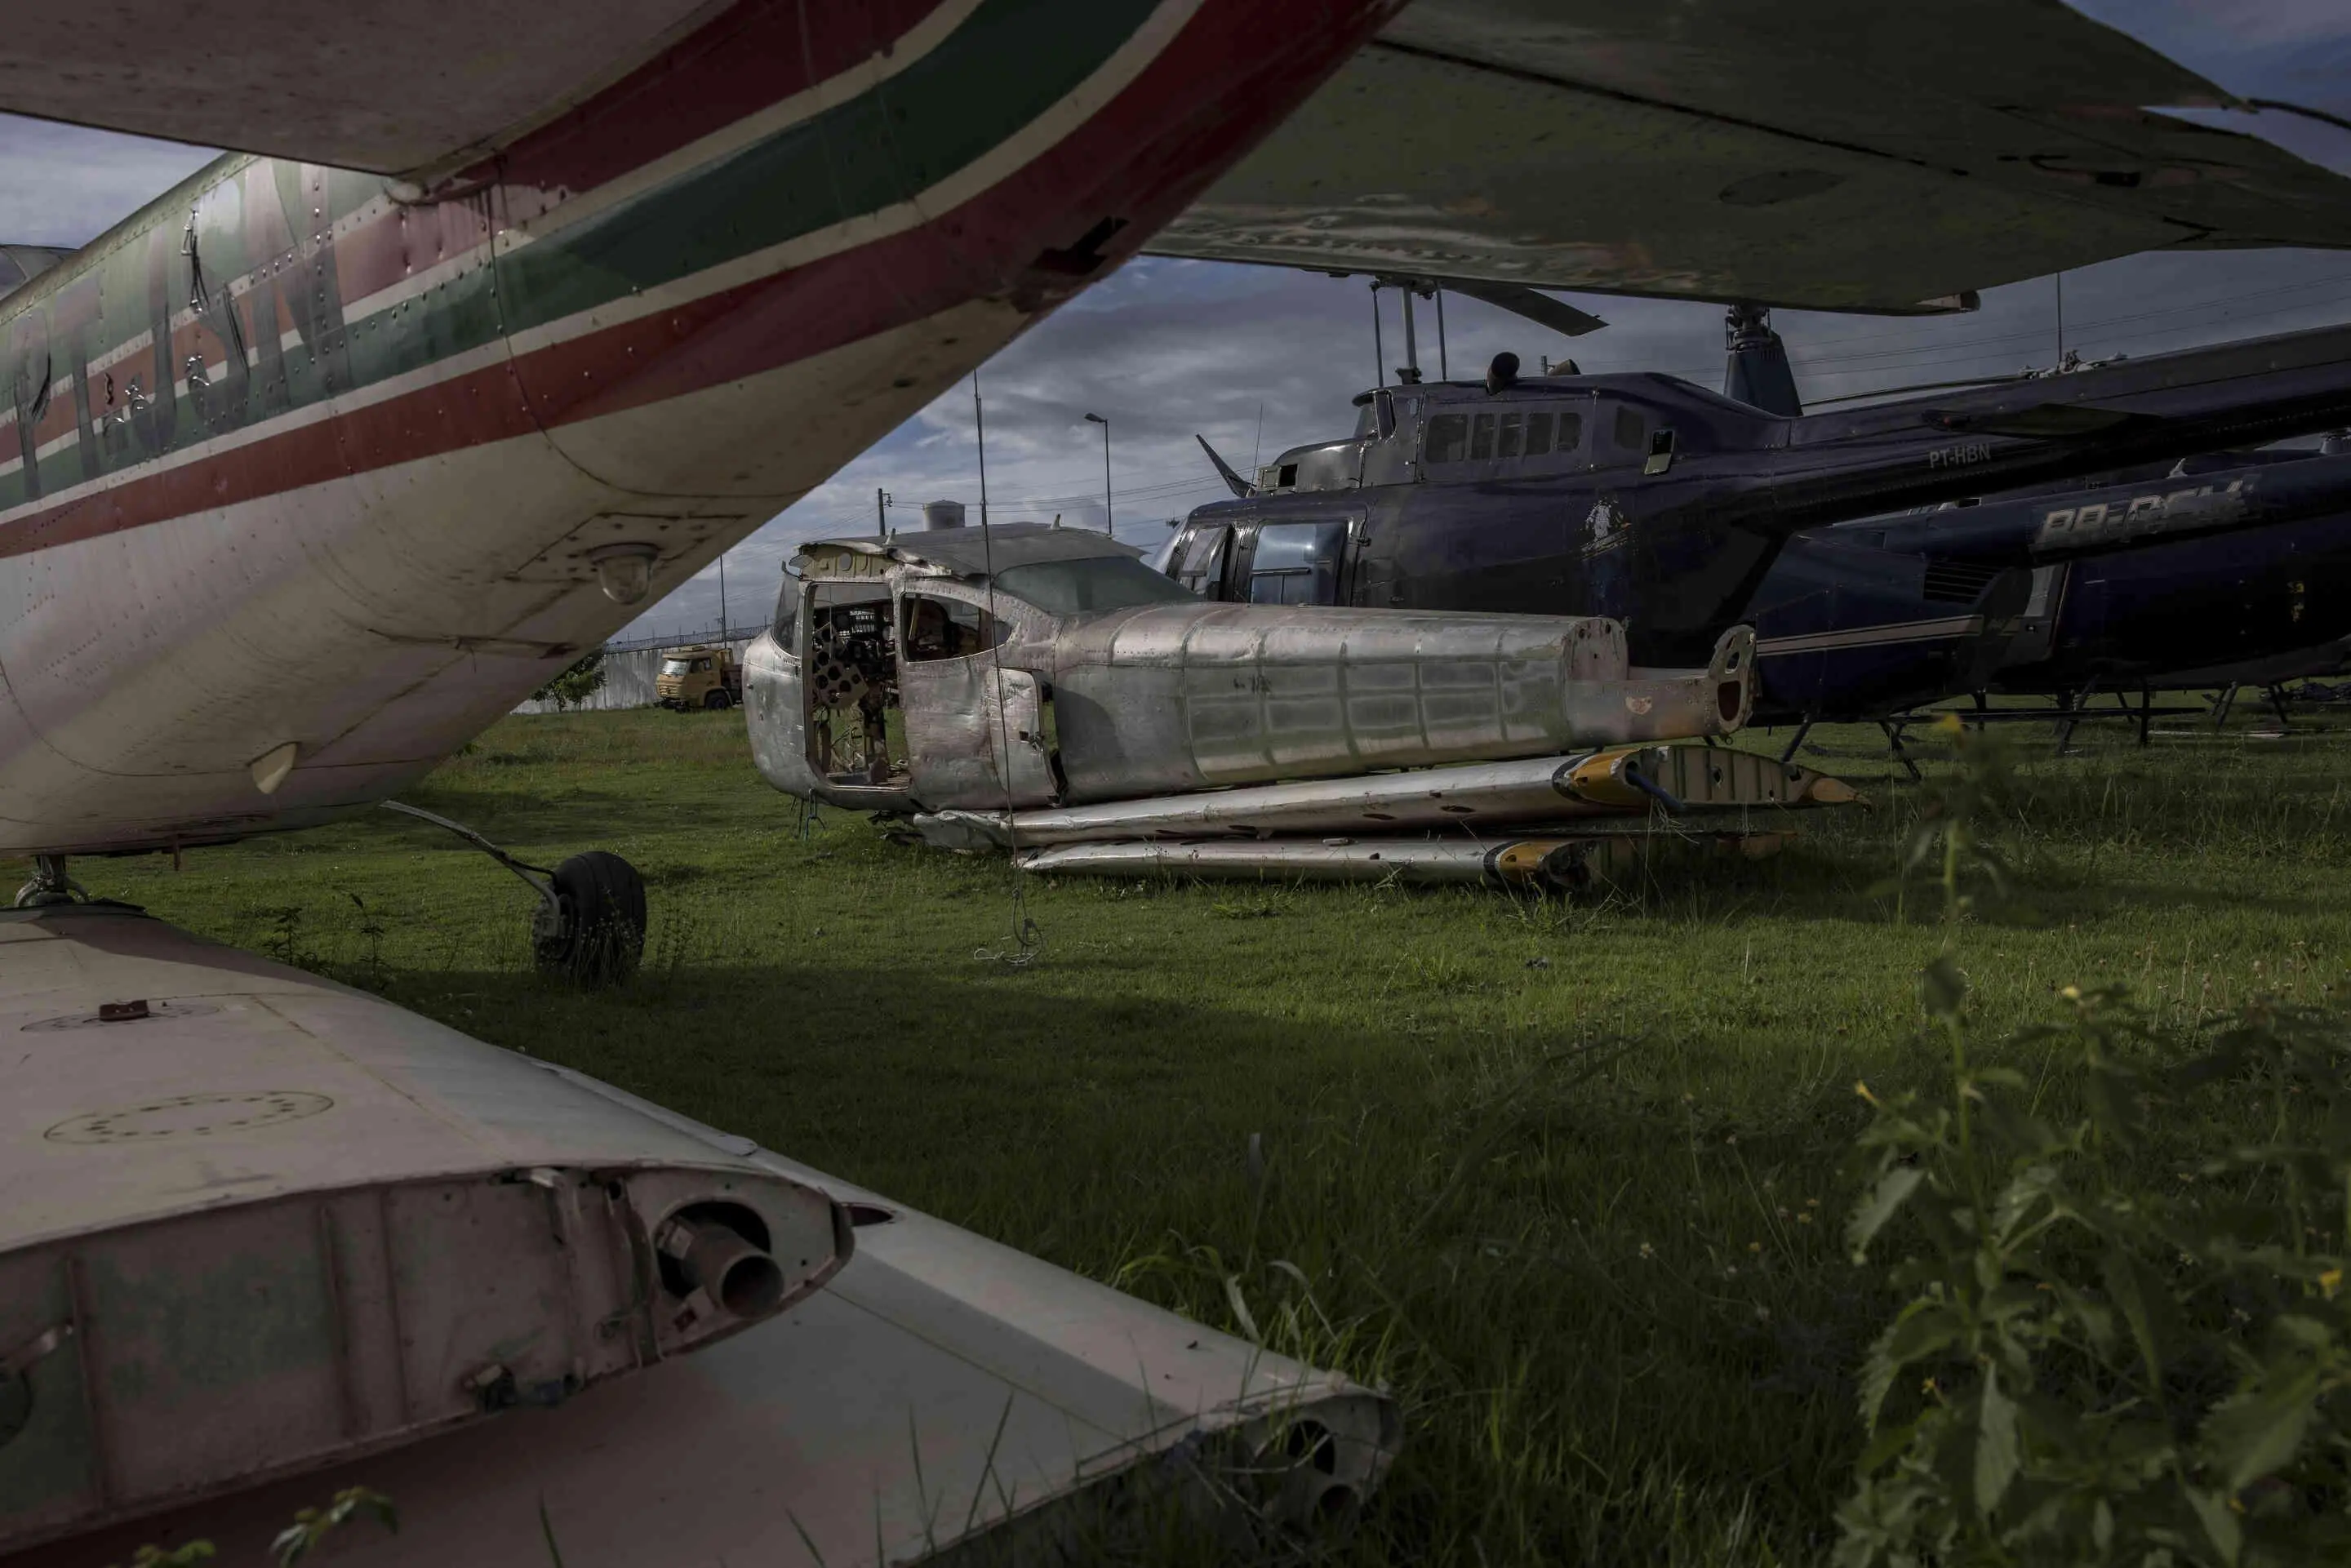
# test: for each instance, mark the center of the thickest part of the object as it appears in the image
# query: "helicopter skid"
(1640, 788)
(1554, 863)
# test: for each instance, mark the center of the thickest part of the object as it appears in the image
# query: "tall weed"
(2093, 1364)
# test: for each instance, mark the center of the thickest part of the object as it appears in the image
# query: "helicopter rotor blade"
(1241, 489)
(1520, 300)
(1928, 386)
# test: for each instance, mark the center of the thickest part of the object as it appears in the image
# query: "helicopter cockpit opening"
(853, 684)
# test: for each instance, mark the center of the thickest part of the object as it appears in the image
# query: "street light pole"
(1106, 425)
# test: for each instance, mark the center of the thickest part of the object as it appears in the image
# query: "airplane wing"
(395, 89)
(199, 1141)
(1837, 154)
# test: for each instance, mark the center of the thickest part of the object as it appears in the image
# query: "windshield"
(1080, 587)
(672, 666)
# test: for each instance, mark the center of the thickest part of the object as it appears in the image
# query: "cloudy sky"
(1257, 360)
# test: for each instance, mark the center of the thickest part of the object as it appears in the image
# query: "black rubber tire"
(603, 928)
(719, 700)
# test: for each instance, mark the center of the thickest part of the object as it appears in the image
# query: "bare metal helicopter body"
(1039, 690)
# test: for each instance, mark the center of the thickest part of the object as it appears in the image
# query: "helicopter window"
(1080, 587)
(1511, 439)
(1296, 563)
(1632, 432)
(946, 628)
(1481, 438)
(1448, 437)
(1538, 434)
(1199, 563)
(787, 611)
(1571, 432)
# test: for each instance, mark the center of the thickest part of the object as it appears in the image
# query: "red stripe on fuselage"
(1142, 158)
(757, 54)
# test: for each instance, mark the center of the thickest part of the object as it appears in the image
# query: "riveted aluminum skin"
(1170, 698)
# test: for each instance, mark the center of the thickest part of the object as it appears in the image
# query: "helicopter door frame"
(1240, 570)
(1207, 585)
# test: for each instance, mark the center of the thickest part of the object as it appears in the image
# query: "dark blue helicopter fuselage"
(1651, 501)
(2014, 595)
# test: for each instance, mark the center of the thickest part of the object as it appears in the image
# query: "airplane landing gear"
(590, 927)
(50, 885)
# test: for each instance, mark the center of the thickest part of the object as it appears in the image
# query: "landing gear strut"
(50, 885)
(590, 927)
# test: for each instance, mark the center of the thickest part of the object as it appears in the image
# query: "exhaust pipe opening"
(721, 1250)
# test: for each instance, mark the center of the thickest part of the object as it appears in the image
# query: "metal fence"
(631, 665)
(713, 632)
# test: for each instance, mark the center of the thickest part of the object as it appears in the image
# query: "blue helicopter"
(2210, 569)
(2101, 554)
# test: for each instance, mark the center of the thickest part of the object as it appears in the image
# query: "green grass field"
(1569, 1178)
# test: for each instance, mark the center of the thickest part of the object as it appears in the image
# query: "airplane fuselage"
(299, 458)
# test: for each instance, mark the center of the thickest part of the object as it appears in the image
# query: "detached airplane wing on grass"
(265, 1237)
(1824, 154)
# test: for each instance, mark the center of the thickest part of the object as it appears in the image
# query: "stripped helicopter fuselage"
(1039, 690)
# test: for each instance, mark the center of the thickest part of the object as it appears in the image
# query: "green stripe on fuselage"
(1011, 62)
(1007, 66)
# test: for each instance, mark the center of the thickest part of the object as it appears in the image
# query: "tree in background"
(576, 685)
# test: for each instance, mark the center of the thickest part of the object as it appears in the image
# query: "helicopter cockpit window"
(1296, 563)
(1632, 432)
(1081, 587)
(787, 611)
(1449, 438)
(1199, 563)
(1481, 437)
(946, 628)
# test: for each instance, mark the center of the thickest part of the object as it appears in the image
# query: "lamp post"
(1098, 419)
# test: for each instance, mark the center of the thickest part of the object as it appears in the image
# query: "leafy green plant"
(313, 1525)
(2093, 1365)
(296, 1542)
(577, 683)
